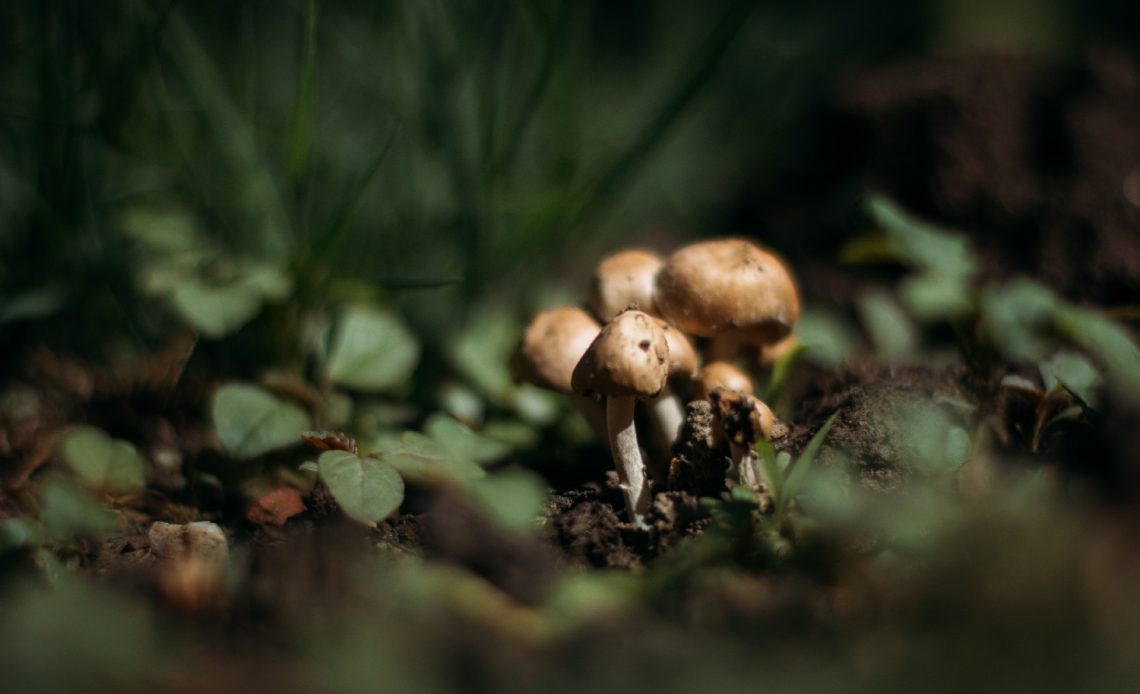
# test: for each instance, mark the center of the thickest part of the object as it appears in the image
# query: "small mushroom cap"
(721, 374)
(683, 359)
(624, 279)
(744, 416)
(629, 358)
(732, 284)
(552, 345)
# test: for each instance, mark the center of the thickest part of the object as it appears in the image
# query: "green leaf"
(827, 338)
(160, 231)
(875, 247)
(367, 489)
(68, 512)
(102, 463)
(16, 533)
(482, 351)
(372, 350)
(939, 446)
(770, 469)
(267, 279)
(921, 244)
(250, 421)
(891, 330)
(513, 433)
(1109, 343)
(782, 370)
(1074, 373)
(798, 469)
(1017, 316)
(936, 296)
(515, 498)
(215, 311)
(32, 304)
(461, 401)
(420, 458)
(462, 441)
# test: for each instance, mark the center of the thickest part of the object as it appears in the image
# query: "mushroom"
(666, 414)
(730, 289)
(745, 418)
(622, 280)
(628, 360)
(741, 414)
(550, 348)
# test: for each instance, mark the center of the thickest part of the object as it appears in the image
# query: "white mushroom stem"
(627, 457)
(743, 468)
(665, 417)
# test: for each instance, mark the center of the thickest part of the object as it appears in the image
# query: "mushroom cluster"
(653, 321)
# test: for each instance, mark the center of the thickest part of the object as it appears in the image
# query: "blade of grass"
(771, 470)
(619, 174)
(781, 370)
(236, 139)
(798, 468)
(301, 136)
(552, 42)
(337, 227)
(413, 285)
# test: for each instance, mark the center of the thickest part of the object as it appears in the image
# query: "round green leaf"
(461, 440)
(1073, 372)
(216, 311)
(514, 498)
(68, 511)
(103, 463)
(367, 489)
(423, 459)
(1108, 343)
(891, 330)
(372, 350)
(250, 421)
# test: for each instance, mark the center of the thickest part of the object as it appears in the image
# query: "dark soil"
(1039, 163)
(1036, 161)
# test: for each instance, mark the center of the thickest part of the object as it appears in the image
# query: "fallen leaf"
(275, 507)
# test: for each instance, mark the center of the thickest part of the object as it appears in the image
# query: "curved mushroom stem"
(665, 417)
(743, 468)
(627, 457)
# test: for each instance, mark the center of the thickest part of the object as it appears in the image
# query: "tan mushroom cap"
(732, 284)
(683, 358)
(624, 279)
(629, 358)
(721, 374)
(551, 347)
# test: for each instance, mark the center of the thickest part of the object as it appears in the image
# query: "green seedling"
(1071, 386)
(767, 512)
(784, 475)
(1020, 320)
(250, 421)
(101, 463)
